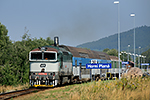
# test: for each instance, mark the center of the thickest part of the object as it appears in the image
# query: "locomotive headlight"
(30, 77)
(53, 75)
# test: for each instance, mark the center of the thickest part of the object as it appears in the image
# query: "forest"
(14, 63)
(142, 39)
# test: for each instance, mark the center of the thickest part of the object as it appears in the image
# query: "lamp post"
(117, 2)
(128, 52)
(144, 59)
(136, 57)
(133, 15)
(133, 58)
(123, 52)
(139, 58)
(145, 62)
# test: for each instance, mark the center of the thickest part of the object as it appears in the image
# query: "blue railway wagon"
(81, 57)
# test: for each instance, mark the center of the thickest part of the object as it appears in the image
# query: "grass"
(4, 88)
(124, 89)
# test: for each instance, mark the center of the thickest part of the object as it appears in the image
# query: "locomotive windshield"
(49, 56)
(43, 56)
(36, 55)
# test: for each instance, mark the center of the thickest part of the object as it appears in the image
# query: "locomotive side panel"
(65, 64)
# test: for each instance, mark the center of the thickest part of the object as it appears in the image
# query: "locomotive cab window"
(36, 55)
(49, 56)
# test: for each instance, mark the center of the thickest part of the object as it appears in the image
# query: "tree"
(147, 54)
(14, 63)
(5, 44)
(112, 52)
(106, 50)
(5, 55)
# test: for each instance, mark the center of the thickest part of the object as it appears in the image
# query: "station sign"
(147, 64)
(98, 66)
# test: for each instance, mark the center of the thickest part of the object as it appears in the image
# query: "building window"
(83, 55)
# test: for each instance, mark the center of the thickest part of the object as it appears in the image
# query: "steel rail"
(12, 94)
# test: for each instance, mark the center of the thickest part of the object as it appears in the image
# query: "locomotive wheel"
(60, 80)
(97, 78)
(69, 80)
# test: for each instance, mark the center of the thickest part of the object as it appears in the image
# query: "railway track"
(13, 94)
(9, 95)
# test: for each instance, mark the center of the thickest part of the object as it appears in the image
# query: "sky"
(73, 21)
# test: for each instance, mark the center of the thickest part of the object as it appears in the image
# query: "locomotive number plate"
(42, 73)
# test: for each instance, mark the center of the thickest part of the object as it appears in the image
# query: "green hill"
(142, 39)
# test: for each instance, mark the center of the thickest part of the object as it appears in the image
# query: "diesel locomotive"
(58, 64)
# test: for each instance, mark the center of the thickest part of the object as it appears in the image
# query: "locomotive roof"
(52, 48)
(48, 48)
(86, 53)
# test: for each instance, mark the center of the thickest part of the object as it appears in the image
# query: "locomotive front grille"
(43, 76)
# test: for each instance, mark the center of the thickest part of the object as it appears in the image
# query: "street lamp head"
(132, 15)
(116, 2)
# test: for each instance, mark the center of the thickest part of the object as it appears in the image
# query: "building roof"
(86, 53)
(114, 58)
